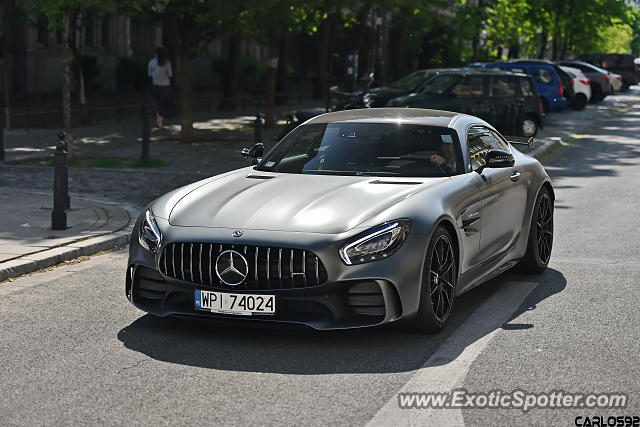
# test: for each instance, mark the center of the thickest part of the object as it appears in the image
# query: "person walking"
(160, 72)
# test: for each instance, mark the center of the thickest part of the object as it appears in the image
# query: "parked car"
(547, 81)
(565, 78)
(378, 97)
(617, 83)
(356, 218)
(489, 94)
(600, 86)
(618, 63)
(581, 87)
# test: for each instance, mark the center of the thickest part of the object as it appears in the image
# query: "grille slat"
(269, 267)
(182, 260)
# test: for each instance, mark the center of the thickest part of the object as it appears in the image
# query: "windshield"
(411, 81)
(367, 149)
(440, 84)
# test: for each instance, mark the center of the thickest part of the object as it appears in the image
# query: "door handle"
(515, 176)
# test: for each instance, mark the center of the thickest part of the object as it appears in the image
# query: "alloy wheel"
(544, 228)
(442, 278)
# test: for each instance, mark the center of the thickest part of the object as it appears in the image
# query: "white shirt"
(161, 75)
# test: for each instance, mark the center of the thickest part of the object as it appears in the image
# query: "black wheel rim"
(442, 278)
(544, 228)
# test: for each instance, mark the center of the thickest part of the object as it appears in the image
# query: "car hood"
(388, 92)
(292, 202)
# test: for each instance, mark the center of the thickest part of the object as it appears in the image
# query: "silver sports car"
(356, 218)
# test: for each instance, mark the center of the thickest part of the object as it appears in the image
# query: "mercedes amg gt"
(356, 218)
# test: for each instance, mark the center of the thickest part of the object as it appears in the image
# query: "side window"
(503, 87)
(542, 76)
(499, 142)
(469, 87)
(525, 87)
(478, 147)
(440, 84)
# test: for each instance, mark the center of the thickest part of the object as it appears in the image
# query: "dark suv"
(619, 63)
(508, 101)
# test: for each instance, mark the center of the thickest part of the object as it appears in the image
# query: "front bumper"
(333, 305)
(353, 296)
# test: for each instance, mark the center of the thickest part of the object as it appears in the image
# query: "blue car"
(547, 81)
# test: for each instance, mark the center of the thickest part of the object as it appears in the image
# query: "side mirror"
(256, 152)
(497, 159)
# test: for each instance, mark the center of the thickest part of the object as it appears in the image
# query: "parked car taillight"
(560, 90)
(586, 81)
(604, 77)
(541, 106)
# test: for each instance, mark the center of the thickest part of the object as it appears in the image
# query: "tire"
(540, 241)
(597, 94)
(529, 126)
(438, 283)
(579, 101)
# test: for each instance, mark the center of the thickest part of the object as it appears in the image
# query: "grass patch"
(101, 162)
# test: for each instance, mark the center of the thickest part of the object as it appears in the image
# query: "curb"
(86, 247)
(545, 146)
(30, 263)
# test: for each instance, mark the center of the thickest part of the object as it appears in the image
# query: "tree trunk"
(272, 68)
(282, 74)
(186, 95)
(66, 86)
(543, 43)
(230, 76)
(322, 66)
(6, 61)
(6, 72)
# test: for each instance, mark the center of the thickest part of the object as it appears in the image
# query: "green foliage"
(614, 38)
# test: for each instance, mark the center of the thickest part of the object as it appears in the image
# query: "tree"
(190, 25)
(62, 15)
(6, 17)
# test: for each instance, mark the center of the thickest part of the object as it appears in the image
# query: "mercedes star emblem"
(231, 267)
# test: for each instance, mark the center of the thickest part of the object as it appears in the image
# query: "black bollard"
(61, 200)
(2, 121)
(146, 133)
(257, 129)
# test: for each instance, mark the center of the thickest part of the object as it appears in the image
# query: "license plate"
(239, 304)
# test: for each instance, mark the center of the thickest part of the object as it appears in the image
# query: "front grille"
(269, 267)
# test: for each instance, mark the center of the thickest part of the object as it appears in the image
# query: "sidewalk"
(27, 242)
(220, 130)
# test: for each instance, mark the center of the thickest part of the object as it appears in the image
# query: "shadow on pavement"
(309, 352)
(598, 153)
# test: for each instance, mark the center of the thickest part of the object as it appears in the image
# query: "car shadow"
(309, 352)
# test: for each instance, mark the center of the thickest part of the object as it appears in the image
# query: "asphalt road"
(73, 351)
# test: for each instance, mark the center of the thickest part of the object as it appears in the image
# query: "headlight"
(376, 243)
(367, 99)
(149, 234)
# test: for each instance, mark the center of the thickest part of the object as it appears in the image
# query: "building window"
(104, 31)
(43, 30)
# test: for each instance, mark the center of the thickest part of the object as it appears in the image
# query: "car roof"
(594, 67)
(419, 116)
